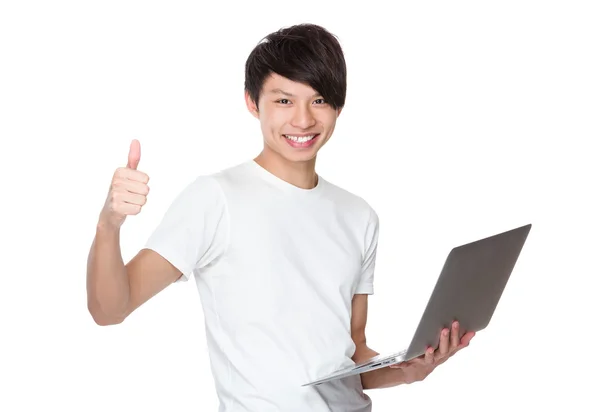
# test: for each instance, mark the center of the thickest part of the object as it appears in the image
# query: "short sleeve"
(365, 284)
(193, 232)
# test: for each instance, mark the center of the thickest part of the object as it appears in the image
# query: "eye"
(283, 101)
(320, 101)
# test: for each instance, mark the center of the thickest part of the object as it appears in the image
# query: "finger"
(135, 153)
(127, 209)
(131, 186)
(454, 339)
(444, 342)
(131, 174)
(130, 198)
(429, 356)
(466, 339)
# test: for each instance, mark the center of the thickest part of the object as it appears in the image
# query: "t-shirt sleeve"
(365, 284)
(193, 231)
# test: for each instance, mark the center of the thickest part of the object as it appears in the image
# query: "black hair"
(305, 53)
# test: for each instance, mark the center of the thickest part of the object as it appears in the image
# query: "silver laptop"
(468, 290)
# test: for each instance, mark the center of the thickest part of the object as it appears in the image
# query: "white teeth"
(300, 139)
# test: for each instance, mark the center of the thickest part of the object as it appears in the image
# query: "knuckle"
(142, 177)
(117, 183)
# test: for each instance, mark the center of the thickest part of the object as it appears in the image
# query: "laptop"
(468, 289)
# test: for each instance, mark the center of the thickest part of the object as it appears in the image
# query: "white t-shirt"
(276, 268)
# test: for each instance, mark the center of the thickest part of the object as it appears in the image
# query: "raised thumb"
(135, 152)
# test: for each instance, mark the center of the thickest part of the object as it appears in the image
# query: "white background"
(463, 119)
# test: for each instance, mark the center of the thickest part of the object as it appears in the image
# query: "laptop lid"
(469, 287)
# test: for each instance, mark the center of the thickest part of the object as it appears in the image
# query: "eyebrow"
(279, 91)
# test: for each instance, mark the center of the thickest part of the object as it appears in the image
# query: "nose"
(303, 118)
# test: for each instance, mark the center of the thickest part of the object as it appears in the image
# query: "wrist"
(106, 229)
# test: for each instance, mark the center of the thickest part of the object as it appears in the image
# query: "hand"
(128, 191)
(419, 368)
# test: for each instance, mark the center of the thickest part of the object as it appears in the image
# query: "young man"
(283, 259)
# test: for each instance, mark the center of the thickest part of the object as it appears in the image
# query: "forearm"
(107, 280)
(380, 378)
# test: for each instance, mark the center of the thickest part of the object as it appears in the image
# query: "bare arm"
(114, 289)
(358, 326)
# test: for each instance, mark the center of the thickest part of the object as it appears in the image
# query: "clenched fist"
(128, 191)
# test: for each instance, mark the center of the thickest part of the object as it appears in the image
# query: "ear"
(252, 108)
(339, 111)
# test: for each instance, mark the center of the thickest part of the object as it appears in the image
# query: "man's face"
(295, 120)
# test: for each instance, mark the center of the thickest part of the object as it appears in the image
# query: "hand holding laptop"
(420, 367)
(468, 289)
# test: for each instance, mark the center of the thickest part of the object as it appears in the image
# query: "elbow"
(362, 351)
(105, 321)
(100, 317)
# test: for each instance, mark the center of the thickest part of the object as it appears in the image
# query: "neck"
(299, 174)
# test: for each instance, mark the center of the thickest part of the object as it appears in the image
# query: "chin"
(302, 158)
(296, 157)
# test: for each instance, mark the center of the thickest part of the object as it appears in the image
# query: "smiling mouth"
(300, 138)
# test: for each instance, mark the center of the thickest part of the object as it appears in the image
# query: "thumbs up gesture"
(128, 191)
